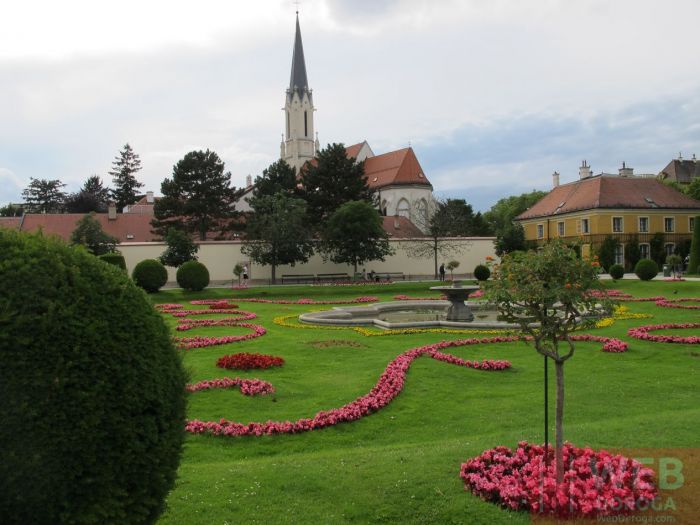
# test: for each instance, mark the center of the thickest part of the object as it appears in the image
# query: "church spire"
(297, 79)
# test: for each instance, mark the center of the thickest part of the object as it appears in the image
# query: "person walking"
(442, 272)
(245, 275)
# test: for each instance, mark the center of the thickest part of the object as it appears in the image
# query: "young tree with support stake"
(547, 293)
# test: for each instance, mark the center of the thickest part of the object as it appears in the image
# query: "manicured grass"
(401, 464)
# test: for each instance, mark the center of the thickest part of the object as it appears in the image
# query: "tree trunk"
(273, 267)
(435, 254)
(559, 420)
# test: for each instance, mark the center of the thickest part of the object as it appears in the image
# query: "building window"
(617, 224)
(560, 229)
(585, 227)
(620, 254)
(691, 223)
(403, 209)
(669, 224)
(306, 125)
(669, 247)
(540, 231)
(644, 251)
(644, 225)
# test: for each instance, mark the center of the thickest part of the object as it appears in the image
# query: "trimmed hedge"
(646, 269)
(92, 389)
(482, 272)
(150, 275)
(617, 271)
(193, 276)
(117, 259)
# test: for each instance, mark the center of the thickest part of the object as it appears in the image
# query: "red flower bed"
(189, 324)
(610, 344)
(215, 304)
(200, 341)
(595, 483)
(243, 316)
(390, 384)
(247, 361)
(364, 299)
(642, 332)
(168, 307)
(675, 303)
(248, 387)
(622, 296)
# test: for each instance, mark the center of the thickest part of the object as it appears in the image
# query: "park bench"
(298, 278)
(390, 276)
(333, 277)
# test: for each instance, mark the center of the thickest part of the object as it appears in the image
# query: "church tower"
(298, 145)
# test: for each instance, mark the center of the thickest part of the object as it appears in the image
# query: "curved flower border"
(642, 332)
(675, 303)
(248, 387)
(306, 300)
(200, 341)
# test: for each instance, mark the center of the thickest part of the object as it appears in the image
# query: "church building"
(397, 177)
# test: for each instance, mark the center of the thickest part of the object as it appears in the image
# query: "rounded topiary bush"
(617, 271)
(92, 389)
(150, 275)
(192, 275)
(482, 272)
(117, 259)
(646, 269)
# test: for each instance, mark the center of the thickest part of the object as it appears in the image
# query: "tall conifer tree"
(124, 169)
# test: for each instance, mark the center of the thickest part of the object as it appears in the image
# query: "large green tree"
(277, 233)
(124, 169)
(44, 196)
(199, 198)
(180, 248)
(279, 177)
(354, 235)
(89, 233)
(93, 196)
(331, 181)
(511, 238)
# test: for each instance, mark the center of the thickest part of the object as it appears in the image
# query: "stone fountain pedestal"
(457, 294)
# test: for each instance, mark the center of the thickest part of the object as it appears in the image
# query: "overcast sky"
(493, 95)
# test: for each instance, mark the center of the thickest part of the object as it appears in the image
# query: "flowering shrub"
(615, 346)
(642, 332)
(595, 483)
(248, 361)
(248, 387)
(390, 384)
(675, 303)
(189, 324)
(199, 341)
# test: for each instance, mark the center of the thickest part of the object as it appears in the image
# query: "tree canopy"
(89, 233)
(180, 248)
(332, 181)
(505, 210)
(44, 196)
(124, 169)
(199, 197)
(354, 235)
(276, 178)
(93, 196)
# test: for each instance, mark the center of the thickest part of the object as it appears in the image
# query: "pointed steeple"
(297, 79)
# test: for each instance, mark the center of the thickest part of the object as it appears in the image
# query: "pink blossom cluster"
(200, 341)
(642, 332)
(675, 303)
(167, 307)
(305, 300)
(595, 483)
(610, 344)
(248, 387)
(389, 385)
(615, 346)
(186, 313)
(189, 324)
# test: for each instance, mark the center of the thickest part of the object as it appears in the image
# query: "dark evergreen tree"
(331, 181)
(606, 252)
(44, 196)
(93, 196)
(198, 199)
(354, 235)
(632, 253)
(657, 251)
(277, 233)
(510, 239)
(278, 177)
(11, 210)
(89, 233)
(124, 169)
(180, 248)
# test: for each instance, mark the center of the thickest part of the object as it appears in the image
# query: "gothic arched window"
(403, 209)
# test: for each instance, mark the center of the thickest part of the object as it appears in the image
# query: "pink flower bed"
(622, 296)
(390, 384)
(167, 307)
(642, 332)
(409, 298)
(200, 341)
(244, 316)
(188, 324)
(595, 483)
(676, 303)
(364, 299)
(610, 344)
(248, 387)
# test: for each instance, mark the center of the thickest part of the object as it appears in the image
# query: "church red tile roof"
(126, 227)
(605, 191)
(400, 167)
(354, 150)
(681, 171)
(399, 227)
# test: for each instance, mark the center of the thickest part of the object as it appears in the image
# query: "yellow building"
(625, 207)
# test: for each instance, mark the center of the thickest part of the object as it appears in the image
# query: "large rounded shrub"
(150, 275)
(482, 272)
(92, 389)
(617, 271)
(117, 259)
(646, 269)
(192, 275)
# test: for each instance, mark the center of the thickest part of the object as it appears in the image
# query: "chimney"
(625, 171)
(111, 211)
(149, 197)
(555, 179)
(248, 181)
(584, 170)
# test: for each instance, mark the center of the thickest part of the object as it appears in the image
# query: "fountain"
(457, 294)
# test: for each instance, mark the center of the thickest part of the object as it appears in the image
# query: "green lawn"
(401, 464)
